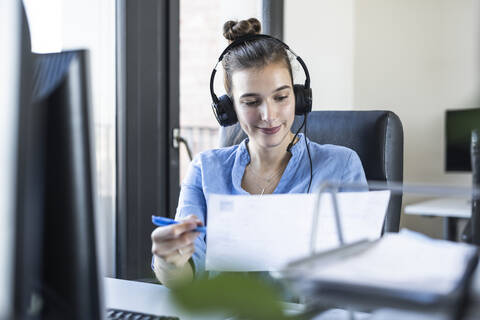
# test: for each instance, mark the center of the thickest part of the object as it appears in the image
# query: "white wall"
(416, 58)
(9, 83)
(321, 32)
(419, 58)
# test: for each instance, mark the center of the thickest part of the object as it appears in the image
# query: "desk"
(155, 299)
(451, 209)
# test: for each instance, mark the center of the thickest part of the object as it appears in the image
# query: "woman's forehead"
(265, 79)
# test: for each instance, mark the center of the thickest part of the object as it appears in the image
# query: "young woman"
(259, 81)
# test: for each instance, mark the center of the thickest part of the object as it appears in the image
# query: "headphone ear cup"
(303, 99)
(224, 111)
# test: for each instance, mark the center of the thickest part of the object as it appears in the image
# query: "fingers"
(193, 218)
(173, 231)
(179, 257)
(166, 247)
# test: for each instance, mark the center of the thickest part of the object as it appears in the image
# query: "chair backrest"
(376, 136)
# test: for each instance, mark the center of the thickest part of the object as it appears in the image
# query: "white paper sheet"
(263, 233)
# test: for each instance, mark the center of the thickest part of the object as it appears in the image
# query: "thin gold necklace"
(268, 180)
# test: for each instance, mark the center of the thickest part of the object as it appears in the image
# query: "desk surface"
(441, 207)
(155, 299)
(144, 297)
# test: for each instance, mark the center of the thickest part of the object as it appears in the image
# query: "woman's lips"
(272, 130)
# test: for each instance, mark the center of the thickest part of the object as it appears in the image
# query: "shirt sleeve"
(353, 172)
(192, 201)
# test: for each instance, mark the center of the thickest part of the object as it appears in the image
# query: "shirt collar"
(243, 158)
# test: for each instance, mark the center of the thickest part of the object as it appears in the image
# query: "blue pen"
(162, 221)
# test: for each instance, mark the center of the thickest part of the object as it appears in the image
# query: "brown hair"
(256, 53)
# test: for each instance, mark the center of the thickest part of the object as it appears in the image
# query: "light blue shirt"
(220, 171)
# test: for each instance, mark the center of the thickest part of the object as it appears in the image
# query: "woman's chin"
(271, 140)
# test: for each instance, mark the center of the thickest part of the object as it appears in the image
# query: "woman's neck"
(268, 160)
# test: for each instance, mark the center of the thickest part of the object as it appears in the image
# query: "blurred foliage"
(245, 297)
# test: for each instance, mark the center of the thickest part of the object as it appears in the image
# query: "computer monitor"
(458, 130)
(459, 125)
(56, 263)
(10, 44)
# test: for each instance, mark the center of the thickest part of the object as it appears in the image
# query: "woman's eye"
(281, 98)
(251, 103)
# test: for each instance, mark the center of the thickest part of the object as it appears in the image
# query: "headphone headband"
(251, 37)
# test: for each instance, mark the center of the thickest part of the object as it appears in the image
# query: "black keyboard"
(130, 315)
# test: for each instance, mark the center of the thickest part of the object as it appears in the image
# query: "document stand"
(337, 294)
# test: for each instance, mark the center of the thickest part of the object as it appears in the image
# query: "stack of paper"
(403, 261)
(264, 233)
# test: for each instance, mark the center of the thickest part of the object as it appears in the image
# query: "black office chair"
(376, 136)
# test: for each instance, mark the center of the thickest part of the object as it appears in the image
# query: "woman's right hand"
(173, 245)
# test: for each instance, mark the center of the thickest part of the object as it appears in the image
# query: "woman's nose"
(268, 111)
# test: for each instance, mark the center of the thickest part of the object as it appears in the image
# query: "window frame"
(147, 111)
(272, 16)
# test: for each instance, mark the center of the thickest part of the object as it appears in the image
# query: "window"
(201, 42)
(57, 25)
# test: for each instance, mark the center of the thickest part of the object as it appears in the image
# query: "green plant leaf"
(246, 297)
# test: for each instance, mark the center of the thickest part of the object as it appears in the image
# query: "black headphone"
(223, 106)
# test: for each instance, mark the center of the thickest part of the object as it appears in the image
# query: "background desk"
(451, 209)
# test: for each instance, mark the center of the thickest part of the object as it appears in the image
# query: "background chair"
(376, 136)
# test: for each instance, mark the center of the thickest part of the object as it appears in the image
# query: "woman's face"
(265, 104)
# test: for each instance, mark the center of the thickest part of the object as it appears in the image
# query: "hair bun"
(233, 30)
